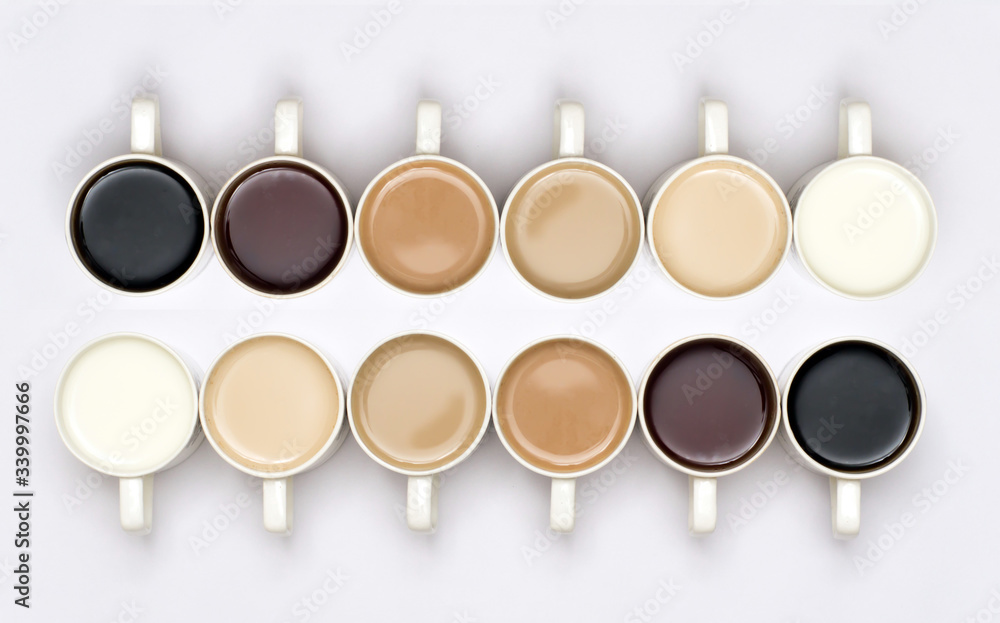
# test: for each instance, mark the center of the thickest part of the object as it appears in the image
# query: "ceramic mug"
(564, 407)
(718, 226)
(138, 224)
(571, 228)
(282, 226)
(864, 227)
(272, 406)
(126, 405)
(709, 406)
(419, 405)
(853, 408)
(427, 225)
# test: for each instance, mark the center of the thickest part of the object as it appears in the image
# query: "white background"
(218, 78)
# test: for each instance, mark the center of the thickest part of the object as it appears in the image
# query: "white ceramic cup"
(562, 507)
(713, 152)
(277, 485)
(287, 151)
(428, 150)
(126, 405)
(702, 483)
(422, 484)
(864, 227)
(568, 153)
(145, 149)
(845, 486)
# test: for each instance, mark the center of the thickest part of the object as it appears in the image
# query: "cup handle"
(713, 127)
(562, 511)
(845, 501)
(855, 128)
(146, 126)
(422, 503)
(702, 511)
(568, 138)
(136, 501)
(428, 127)
(278, 505)
(288, 127)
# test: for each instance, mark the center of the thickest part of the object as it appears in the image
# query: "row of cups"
(571, 229)
(273, 406)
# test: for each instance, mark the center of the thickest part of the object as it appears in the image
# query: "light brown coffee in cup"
(564, 405)
(419, 402)
(427, 226)
(720, 228)
(271, 403)
(573, 229)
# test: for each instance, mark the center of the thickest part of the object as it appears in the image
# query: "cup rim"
(70, 442)
(484, 426)
(316, 458)
(815, 465)
(631, 195)
(903, 172)
(217, 207)
(174, 166)
(772, 429)
(427, 158)
(672, 178)
(578, 473)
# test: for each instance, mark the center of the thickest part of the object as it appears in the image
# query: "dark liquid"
(282, 229)
(853, 406)
(708, 404)
(138, 227)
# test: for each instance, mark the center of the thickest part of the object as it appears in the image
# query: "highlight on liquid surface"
(281, 228)
(138, 226)
(427, 227)
(127, 404)
(865, 226)
(853, 406)
(564, 405)
(573, 230)
(720, 228)
(419, 402)
(709, 404)
(271, 403)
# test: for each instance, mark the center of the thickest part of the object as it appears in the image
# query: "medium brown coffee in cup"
(564, 405)
(427, 225)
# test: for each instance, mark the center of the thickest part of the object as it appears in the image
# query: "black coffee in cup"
(854, 406)
(137, 226)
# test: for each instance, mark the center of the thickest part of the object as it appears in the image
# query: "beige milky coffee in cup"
(719, 228)
(419, 402)
(427, 226)
(271, 403)
(573, 229)
(564, 405)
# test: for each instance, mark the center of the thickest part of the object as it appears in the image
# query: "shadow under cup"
(281, 227)
(137, 225)
(710, 404)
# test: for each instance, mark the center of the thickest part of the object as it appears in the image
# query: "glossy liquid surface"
(564, 405)
(419, 402)
(720, 229)
(282, 229)
(129, 404)
(573, 230)
(709, 404)
(853, 406)
(427, 227)
(138, 227)
(271, 403)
